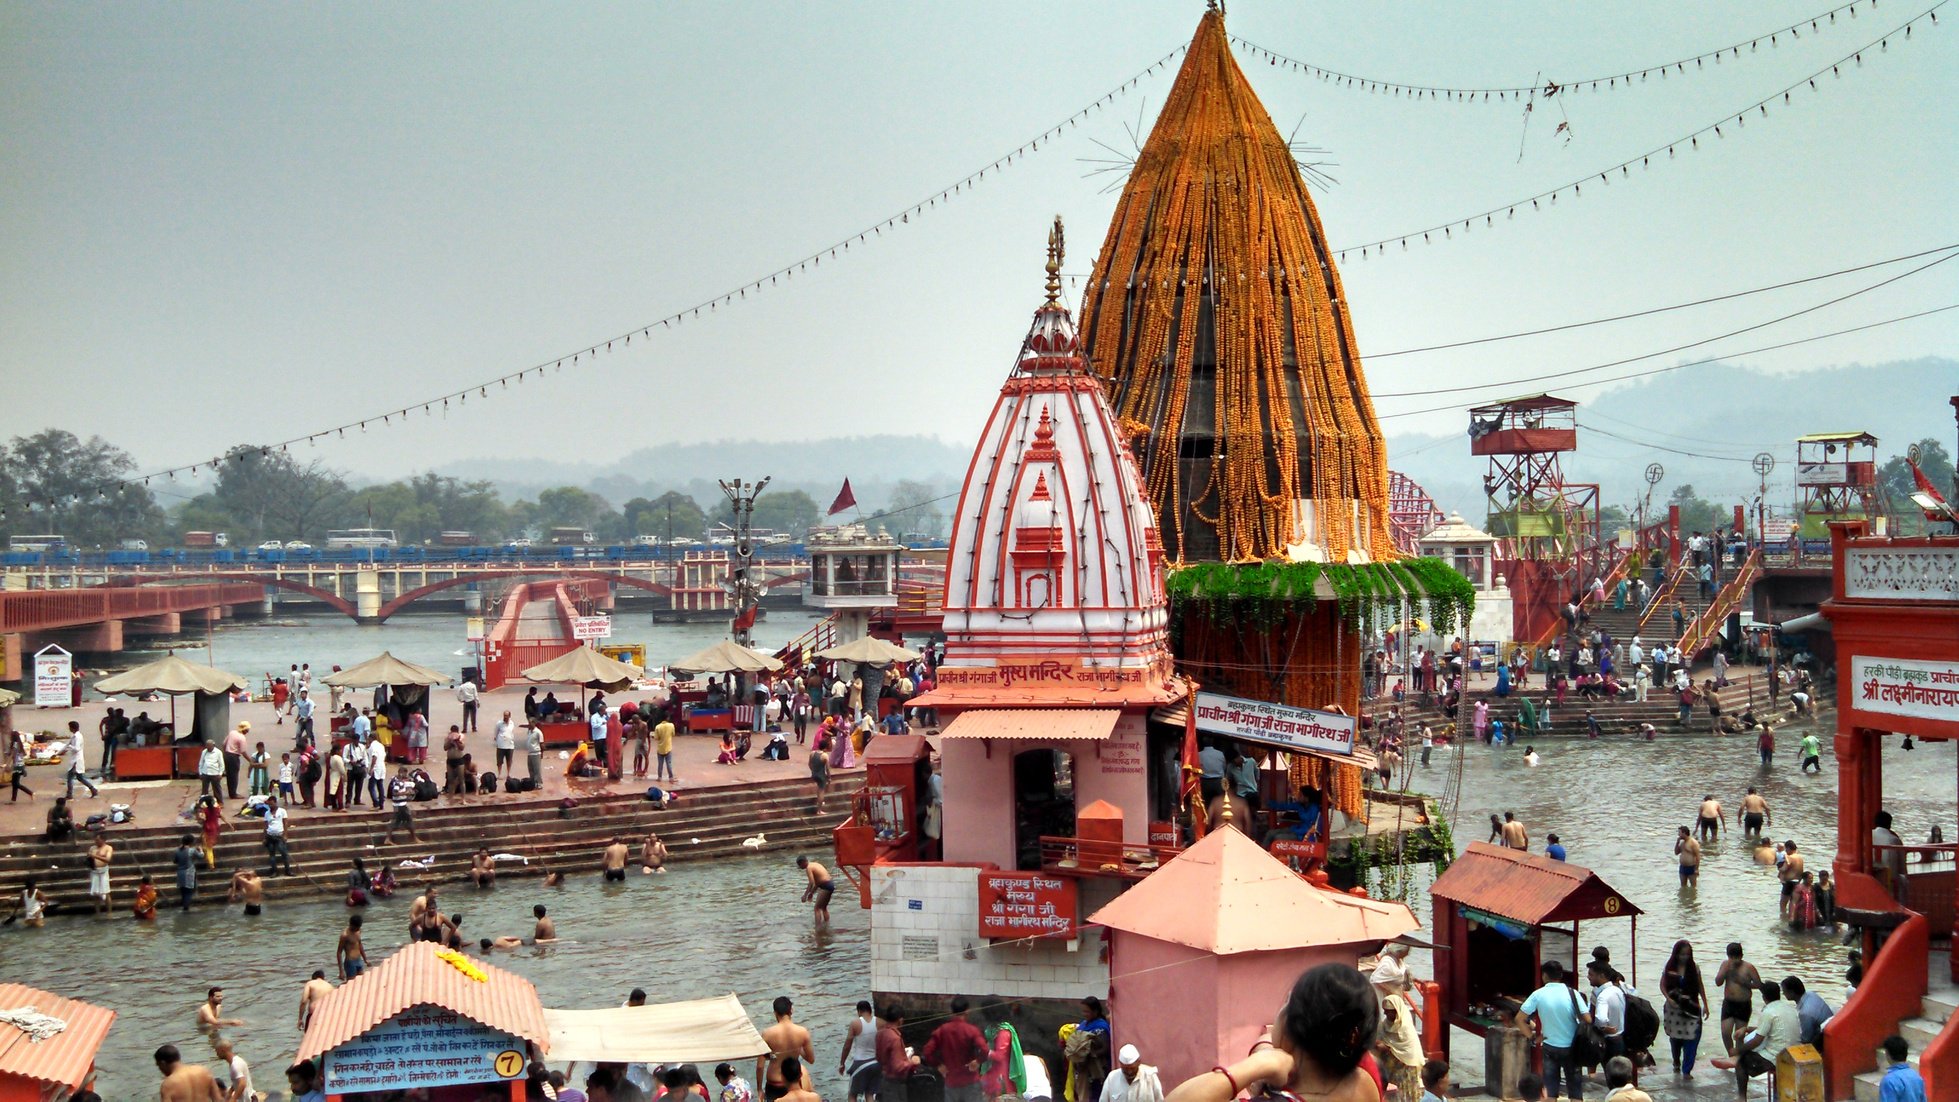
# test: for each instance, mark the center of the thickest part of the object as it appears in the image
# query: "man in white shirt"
(210, 773)
(241, 1072)
(1608, 1007)
(505, 740)
(275, 837)
(377, 771)
(1776, 1026)
(466, 696)
(78, 763)
(363, 727)
(1131, 1080)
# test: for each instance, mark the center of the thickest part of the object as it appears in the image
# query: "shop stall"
(725, 657)
(54, 1056)
(160, 752)
(430, 1020)
(1499, 914)
(590, 669)
(401, 689)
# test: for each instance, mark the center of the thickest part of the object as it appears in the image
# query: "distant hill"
(818, 467)
(1713, 410)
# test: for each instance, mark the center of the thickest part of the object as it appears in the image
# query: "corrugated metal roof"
(64, 1058)
(416, 976)
(1511, 883)
(1838, 437)
(1034, 723)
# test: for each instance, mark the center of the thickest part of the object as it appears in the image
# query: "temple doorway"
(1044, 802)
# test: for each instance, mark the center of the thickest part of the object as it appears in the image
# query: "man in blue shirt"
(1556, 1009)
(1554, 849)
(1901, 1082)
(1811, 1010)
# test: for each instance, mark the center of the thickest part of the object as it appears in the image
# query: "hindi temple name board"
(1269, 724)
(425, 1046)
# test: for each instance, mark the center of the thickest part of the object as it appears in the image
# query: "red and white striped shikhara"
(1055, 566)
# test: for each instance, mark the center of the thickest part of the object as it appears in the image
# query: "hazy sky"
(230, 223)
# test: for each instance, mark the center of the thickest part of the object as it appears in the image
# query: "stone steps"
(1935, 1010)
(324, 846)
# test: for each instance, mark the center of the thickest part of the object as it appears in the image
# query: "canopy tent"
(727, 656)
(174, 677)
(586, 666)
(385, 669)
(697, 1031)
(868, 651)
(170, 675)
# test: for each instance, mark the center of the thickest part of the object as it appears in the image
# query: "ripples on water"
(697, 931)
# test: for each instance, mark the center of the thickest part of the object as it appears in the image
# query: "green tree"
(571, 507)
(1697, 514)
(56, 483)
(916, 509)
(671, 513)
(269, 494)
(1896, 485)
(423, 507)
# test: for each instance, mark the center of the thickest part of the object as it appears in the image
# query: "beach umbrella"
(170, 675)
(385, 669)
(588, 667)
(727, 656)
(868, 651)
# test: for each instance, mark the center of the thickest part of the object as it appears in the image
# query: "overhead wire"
(1644, 160)
(1541, 377)
(1698, 363)
(1612, 81)
(1649, 312)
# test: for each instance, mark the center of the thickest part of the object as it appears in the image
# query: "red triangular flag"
(1925, 486)
(845, 500)
(745, 620)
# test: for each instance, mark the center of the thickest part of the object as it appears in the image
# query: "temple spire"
(1055, 250)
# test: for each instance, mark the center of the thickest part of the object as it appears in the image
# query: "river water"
(736, 925)
(439, 640)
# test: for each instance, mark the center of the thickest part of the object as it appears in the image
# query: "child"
(260, 777)
(727, 754)
(285, 777)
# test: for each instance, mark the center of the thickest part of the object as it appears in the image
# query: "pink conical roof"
(1225, 895)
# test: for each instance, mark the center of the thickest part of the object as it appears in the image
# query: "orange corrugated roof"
(1511, 883)
(64, 1058)
(1034, 723)
(1226, 895)
(417, 976)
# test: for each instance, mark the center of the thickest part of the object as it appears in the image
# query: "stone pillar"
(168, 623)
(472, 600)
(367, 597)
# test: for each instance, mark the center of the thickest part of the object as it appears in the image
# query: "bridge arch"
(403, 600)
(325, 596)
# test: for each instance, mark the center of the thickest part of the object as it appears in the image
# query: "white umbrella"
(728, 656)
(868, 651)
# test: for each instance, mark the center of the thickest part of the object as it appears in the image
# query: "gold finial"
(1055, 250)
(1224, 814)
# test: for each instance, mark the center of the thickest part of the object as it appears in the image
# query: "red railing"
(1728, 598)
(1893, 989)
(1557, 626)
(40, 610)
(1067, 856)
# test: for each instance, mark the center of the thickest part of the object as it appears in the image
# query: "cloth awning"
(868, 651)
(172, 675)
(8, 697)
(1084, 724)
(699, 1031)
(385, 669)
(586, 666)
(1815, 621)
(727, 656)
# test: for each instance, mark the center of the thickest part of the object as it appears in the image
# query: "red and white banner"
(1904, 687)
(1272, 724)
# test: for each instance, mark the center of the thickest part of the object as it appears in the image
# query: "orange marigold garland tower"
(1216, 318)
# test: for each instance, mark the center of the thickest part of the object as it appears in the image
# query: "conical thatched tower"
(1218, 320)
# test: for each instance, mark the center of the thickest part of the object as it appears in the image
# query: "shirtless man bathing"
(1708, 828)
(785, 1039)
(612, 863)
(185, 1082)
(820, 888)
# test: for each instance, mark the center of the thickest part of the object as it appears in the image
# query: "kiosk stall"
(586, 667)
(1499, 914)
(427, 1019)
(402, 689)
(167, 755)
(726, 657)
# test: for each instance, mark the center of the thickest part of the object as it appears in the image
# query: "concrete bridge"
(98, 619)
(372, 592)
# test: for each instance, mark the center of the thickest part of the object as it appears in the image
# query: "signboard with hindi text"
(1027, 904)
(54, 678)
(424, 1046)
(591, 627)
(1905, 687)
(1278, 725)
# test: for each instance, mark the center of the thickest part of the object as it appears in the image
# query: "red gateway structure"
(1894, 612)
